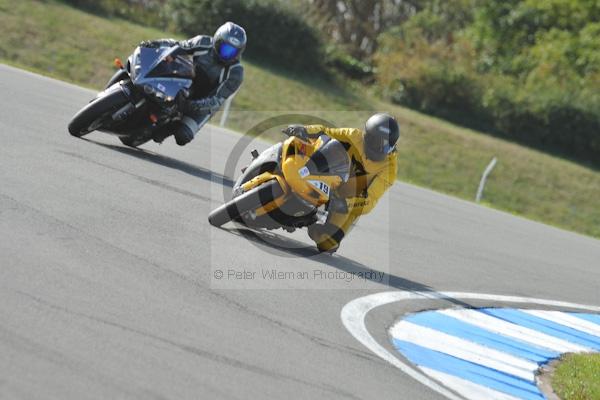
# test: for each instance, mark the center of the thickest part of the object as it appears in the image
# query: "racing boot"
(183, 133)
(326, 237)
(163, 132)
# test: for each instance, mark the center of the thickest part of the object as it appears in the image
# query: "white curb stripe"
(567, 320)
(509, 329)
(464, 349)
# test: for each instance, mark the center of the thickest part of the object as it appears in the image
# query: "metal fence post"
(226, 107)
(484, 177)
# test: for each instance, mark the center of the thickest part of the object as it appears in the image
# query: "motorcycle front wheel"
(251, 200)
(90, 117)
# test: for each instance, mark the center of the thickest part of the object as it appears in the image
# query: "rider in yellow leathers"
(372, 153)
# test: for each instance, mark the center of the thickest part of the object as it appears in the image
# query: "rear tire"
(86, 117)
(248, 201)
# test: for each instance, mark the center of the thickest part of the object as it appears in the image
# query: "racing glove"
(153, 44)
(296, 130)
(149, 43)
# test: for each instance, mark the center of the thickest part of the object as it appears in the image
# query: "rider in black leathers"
(219, 75)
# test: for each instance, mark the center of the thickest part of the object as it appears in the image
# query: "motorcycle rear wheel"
(89, 117)
(248, 201)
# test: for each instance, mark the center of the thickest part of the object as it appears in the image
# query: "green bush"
(276, 36)
(500, 106)
(349, 66)
(528, 70)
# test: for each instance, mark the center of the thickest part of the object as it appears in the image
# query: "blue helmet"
(229, 42)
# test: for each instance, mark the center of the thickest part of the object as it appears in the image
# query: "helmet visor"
(379, 144)
(228, 52)
(386, 148)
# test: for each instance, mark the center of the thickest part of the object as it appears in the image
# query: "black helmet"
(381, 134)
(229, 42)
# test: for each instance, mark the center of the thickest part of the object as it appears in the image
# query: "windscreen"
(176, 65)
(330, 159)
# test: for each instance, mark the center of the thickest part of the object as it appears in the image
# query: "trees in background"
(356, 24)
(524, 69)
(350, 29)
(277, 35)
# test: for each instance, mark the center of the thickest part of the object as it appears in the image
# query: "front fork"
(135, 102)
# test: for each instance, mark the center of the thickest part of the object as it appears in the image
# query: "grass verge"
(63, 42)
(577, 377)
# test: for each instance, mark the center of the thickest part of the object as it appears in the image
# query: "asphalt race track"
(108, 285)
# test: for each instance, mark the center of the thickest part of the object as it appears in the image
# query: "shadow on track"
(282, 244)
(286, 245)
(168, 162)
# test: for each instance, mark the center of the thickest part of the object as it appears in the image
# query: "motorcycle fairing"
(268, 160)
(150, 70)
(304, 190)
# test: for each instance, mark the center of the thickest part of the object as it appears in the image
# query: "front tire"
(87, 119)
(251, 200)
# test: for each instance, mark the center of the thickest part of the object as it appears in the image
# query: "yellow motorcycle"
(289, 185)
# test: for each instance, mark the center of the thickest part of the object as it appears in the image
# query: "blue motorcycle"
(142, 96)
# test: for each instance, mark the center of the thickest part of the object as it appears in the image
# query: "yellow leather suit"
(368, 181)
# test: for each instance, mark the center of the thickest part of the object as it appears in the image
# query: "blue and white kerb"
(492, 353)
